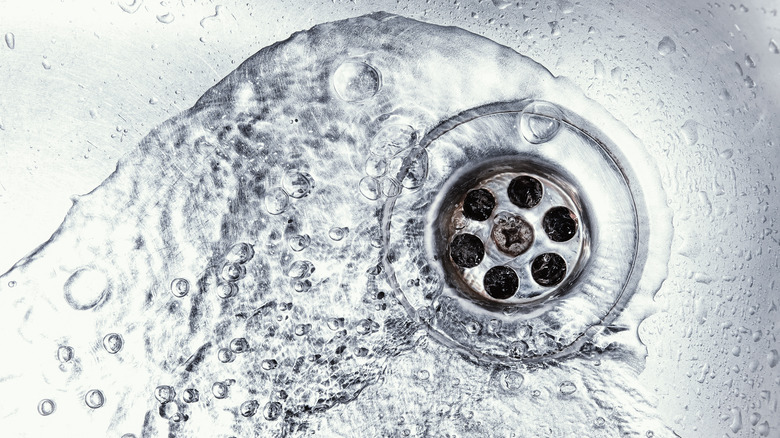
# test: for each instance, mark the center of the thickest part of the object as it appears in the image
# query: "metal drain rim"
(634, 181)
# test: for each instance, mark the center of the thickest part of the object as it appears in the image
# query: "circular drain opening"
(530, 227)
(513, 236)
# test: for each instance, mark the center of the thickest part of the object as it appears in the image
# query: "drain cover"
(530, 229)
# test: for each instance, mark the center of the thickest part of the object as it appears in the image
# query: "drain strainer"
(525, 233)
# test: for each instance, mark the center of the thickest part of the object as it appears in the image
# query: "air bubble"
(300, 269)
(511, 381)
(225, 355)
(219, 390)
(391, 187)
(336, 324)
(540, 122)
(302, 329)
(46, 407)
(299, 242)
(525, 191)
(130, 6)
(85, 288)
(297, 184)
(268, 364)
(170, 411)
(164, 393)
(180, 287)
(240, 253)
(276, 201)
(249, 408)
(113, 343)
(239, 345)
(64, 353)
(94, 398)
(11, 283)
(666, 46)
(467, 250)
(501, 282)
(478, 204)
(232, 272)
(338, 233)
(548, 269)
(272, 410)
(355, 81)
(370, 188)
(567, 388)
(302, 286)
(191, 395)
(392, 140)
(227, 290)
(560, 224)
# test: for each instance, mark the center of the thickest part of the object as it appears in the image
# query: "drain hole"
(560, 224)
(525, 191)
(513, 235)
(501, 282)
(467, 250)
(478, 204)
(548, 269)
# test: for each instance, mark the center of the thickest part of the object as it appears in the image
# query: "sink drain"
(525, 233)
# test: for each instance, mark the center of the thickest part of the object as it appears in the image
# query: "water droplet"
(392, 140)
(299, 242)
(94, 398)
(338, 233)
(10, 40)
(300, 269)
(153, 101)
(568, 388)
(555, 29)
(225, 355)
(219, 390)
(46, 407)
(297, 184)
(772, 47)
(233, 272)
(666, 46)
(355, 81)
(64, 353)
(690, 132)
(423, 375)
(272, 410)
(501, 4)
(113, 342)
(772, 358)
(46, 64)
(85, 288)
(227, 290)
(164, 393)
(239, 345)
(166, 18)
(749, 82)
(191, 395)
(749, 62)
(249, 408)
(370, 188)
(180, 287)
(276, 201)
(540, 122)
(205, 20)
(268, 364)
(130, 6)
